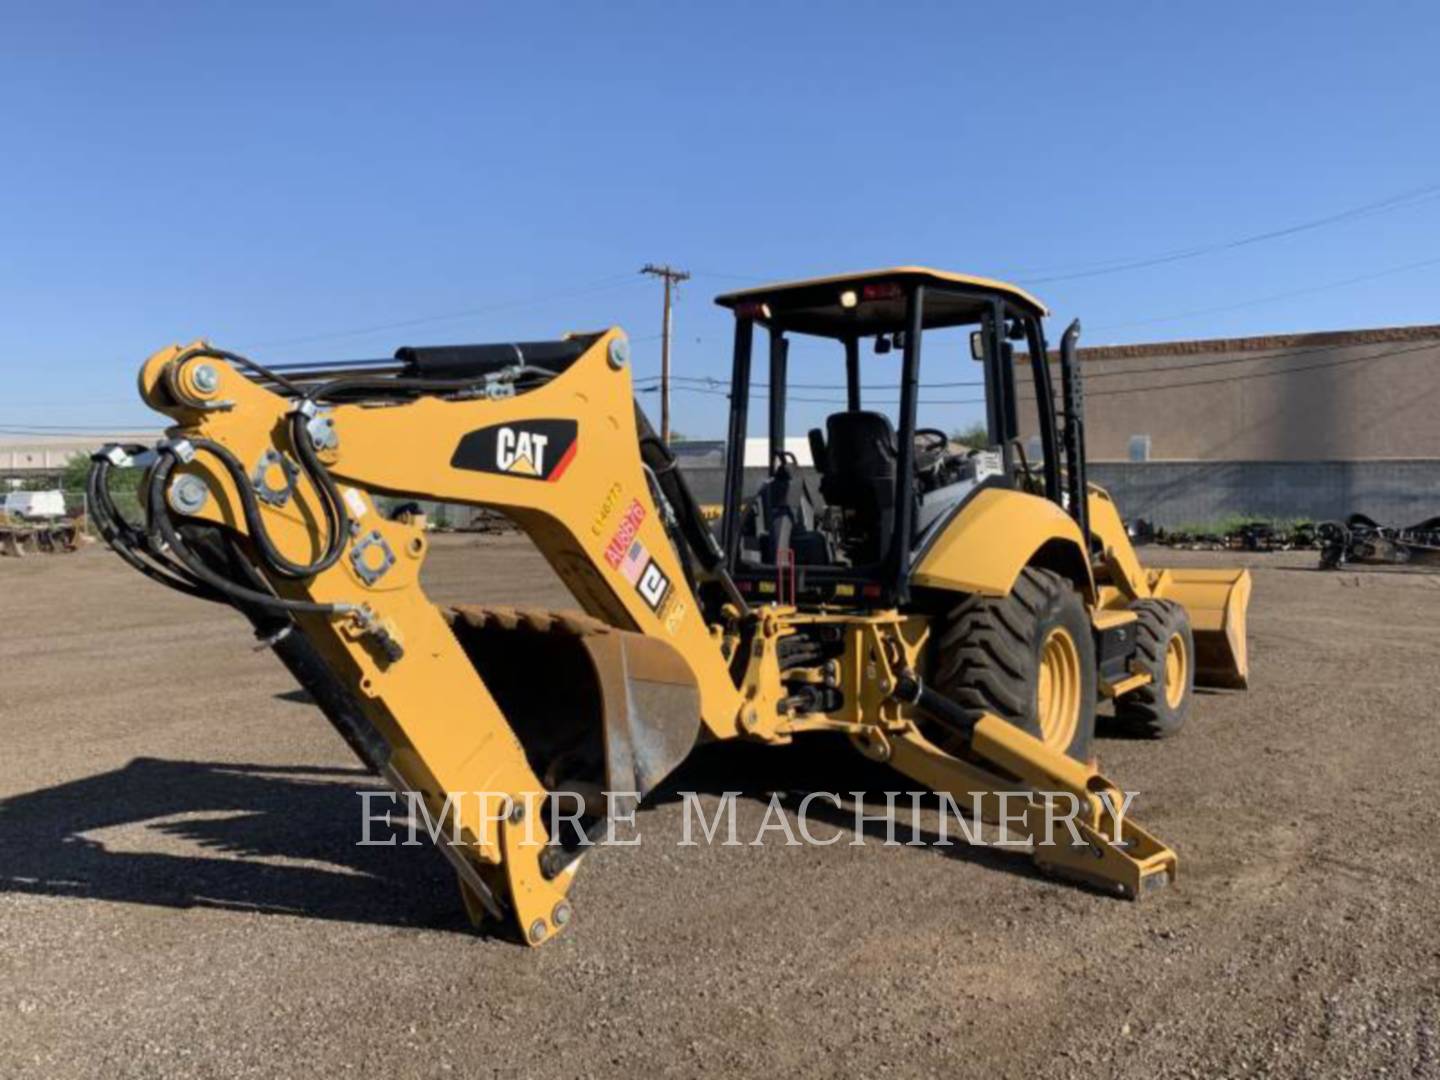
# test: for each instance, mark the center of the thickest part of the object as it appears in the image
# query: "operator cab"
(848, 529)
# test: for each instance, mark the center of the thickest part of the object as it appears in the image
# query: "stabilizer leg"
(1105, 850)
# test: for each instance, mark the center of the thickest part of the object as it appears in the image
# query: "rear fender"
(997, 534)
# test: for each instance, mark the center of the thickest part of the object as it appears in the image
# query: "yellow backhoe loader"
(957, 615)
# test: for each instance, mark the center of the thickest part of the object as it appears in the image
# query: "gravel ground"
(181, 894)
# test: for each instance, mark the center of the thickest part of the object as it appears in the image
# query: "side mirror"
(977, 345)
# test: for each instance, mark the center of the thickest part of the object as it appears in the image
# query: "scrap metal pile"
(37, 521)
(1249, 536)
(19, 537)
(1357, 539)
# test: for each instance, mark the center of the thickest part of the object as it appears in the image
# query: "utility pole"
(672, 278)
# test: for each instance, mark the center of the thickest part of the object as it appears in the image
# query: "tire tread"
(1144, 709)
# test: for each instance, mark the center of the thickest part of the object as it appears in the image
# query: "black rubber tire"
(1147, 711)
(985, 654)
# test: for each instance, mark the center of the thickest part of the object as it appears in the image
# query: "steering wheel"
(931, 445)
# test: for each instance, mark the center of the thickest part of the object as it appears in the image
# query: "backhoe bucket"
(596, 708)
(1217, 601)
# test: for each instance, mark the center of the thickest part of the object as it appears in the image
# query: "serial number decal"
(607, 507)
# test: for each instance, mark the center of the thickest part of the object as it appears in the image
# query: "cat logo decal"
(534, 449)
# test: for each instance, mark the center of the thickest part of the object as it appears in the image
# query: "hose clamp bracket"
(274, 494)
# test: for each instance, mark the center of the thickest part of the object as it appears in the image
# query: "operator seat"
(857, 464)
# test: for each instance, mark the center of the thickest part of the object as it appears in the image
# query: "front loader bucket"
(1217, 601)
(596, 708)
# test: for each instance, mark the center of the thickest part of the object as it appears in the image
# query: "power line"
(1090, 374)
(1274, 296)
(22, 403)
(602, 285)
(93, 438)
(751, 278)
(721, 386)
(86, 431)
(718, 389)
(1344, 362)
(21, 428)
(713, 381)
(1423, 347)
(864, 386)
(1404, 200)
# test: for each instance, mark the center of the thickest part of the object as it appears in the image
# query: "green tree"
(77, 469)
(973, 435)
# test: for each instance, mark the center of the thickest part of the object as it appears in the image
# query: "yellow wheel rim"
(1177, 671)
(1057, 698)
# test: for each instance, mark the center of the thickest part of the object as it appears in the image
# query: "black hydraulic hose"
(333, 697)
(298, 653)
(388, 384)
(337, 518)
(103, 513)
(910, 690)
(165, 537)
(161, 540)
(367, 384)
(333, 506)
(320, 479)
(240, 361)
(337, 521)
(129, 542)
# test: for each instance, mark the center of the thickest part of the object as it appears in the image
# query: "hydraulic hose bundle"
(160, 549)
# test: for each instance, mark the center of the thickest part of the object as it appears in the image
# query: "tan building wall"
(22, 456)
(1348, 395)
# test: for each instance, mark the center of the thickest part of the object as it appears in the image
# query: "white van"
(35, 505)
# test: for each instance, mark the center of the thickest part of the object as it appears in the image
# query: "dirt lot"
(181, 894)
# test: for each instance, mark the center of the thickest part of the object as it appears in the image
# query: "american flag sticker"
(634, 562)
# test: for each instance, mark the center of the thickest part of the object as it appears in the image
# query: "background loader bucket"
(1217, 601)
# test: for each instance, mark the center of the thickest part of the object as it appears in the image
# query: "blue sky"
(275, 176)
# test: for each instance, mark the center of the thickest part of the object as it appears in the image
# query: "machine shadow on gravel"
(822, 763)
(283, 840)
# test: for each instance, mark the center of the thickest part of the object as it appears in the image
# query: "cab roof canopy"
(873, 301)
